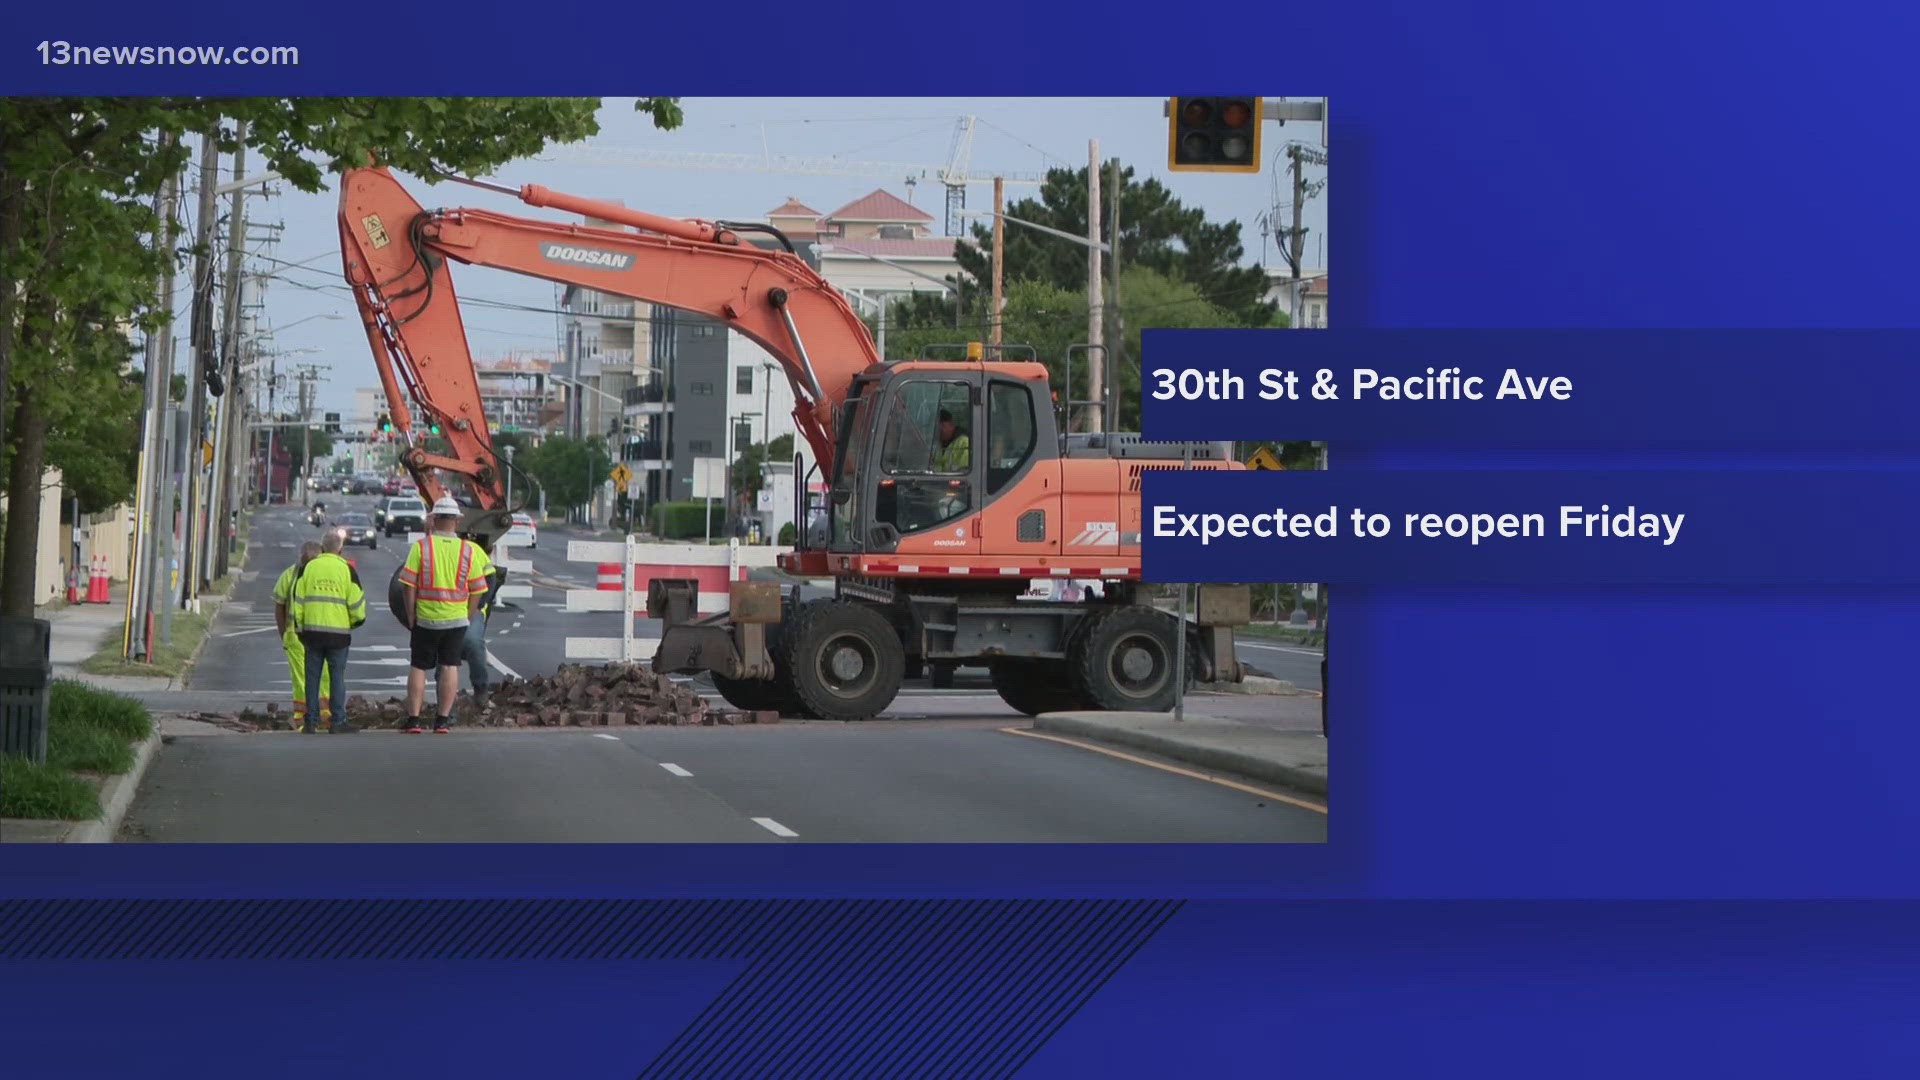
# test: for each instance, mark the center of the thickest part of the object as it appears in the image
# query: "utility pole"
(203, 361)
(307, 374)
(220, 494)
(1118, 338)
(1096, 315)
(159, 378)
(999, 255)
(1299, 237)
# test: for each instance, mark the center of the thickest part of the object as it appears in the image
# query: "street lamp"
(1050, 231)
(331, 315)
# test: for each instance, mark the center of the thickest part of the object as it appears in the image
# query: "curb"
(1258, 685)
(116, 797)
(1253, 766)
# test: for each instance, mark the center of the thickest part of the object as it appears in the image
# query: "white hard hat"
(446, 506)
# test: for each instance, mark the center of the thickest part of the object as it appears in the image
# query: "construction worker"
(328, 605)
(955, 454)
(446, 582)
(475, 649)
(290, 639)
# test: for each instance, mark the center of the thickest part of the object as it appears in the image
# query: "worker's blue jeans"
(474, 652)
(334, 660)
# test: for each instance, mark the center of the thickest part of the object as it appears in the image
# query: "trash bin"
(26, 670)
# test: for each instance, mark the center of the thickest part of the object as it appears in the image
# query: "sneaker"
(480, 700)
(414, 726)
(442, 726)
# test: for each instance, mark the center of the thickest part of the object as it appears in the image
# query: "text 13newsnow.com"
(64, 53)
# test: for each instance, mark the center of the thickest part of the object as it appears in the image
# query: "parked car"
(402, 514)
(524, 532)
(359, 529)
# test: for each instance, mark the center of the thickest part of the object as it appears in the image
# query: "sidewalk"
(78, 631)
(1293, 759)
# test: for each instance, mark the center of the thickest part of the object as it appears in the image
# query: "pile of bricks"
(574, 696)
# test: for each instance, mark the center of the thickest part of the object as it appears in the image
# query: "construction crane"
(955, 175)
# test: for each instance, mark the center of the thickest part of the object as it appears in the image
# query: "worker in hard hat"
(290, 639)
(446, 579)
(328, 606)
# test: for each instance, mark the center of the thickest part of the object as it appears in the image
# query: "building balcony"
(654, 392)
(645, 450)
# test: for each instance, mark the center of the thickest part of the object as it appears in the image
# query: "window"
(743, 380)
(1010, 432)
(703, 388)
(701, 446)
(928, 481)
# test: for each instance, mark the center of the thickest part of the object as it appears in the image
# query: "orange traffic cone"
(73, 584)
(97, 587)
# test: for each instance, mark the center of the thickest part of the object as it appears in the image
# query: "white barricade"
(714, 567)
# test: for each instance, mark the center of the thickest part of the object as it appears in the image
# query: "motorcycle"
(318, 517)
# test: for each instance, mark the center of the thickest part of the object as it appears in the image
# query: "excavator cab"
(929, 452)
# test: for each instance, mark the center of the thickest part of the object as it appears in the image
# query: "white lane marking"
(1279, 648)
(678, 771)
(255, 630)
(494, 662)
(611, 738)
(774, 827)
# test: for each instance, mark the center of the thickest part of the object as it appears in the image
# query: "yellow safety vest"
(326, 598)
(445, 580)
(956, 456)
(283, 589)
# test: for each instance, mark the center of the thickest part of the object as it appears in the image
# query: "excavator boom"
(396, 255)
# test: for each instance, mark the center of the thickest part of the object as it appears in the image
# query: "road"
(944, 765)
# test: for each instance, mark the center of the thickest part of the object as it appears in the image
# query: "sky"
(1013, 134)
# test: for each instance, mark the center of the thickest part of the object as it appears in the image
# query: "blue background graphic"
(1771, 528)
(1806, 389)
(1577, 167)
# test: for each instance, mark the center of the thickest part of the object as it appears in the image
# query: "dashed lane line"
(674, 769)
(774, 827)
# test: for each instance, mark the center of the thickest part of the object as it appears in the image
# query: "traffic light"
(1213, 134)
(386, 424)
(433, 427)
(333, 423)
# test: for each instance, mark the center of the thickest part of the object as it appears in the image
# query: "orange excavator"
(951, 485)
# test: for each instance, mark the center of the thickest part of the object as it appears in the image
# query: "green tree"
(296, 445)
(78, 261)
(567, 469)
(749, 466)
(1157, 232)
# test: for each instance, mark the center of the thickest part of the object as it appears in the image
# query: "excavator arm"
(396, 255)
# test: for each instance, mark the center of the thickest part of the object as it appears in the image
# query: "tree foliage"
(567, 469)
(79, 261)
(1157, 232)
(749, 466)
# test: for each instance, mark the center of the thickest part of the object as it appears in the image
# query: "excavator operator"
(955, 454)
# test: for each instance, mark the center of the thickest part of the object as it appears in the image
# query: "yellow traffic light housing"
(1213, 134)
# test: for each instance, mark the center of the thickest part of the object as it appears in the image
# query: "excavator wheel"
(1037, 686)
(776, 693)
(1123, 660)
(845, 660)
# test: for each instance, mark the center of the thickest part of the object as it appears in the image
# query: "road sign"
(1265, 458)
(633, 488)
(621, 474)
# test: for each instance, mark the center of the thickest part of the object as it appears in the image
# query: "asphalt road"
(792, 783)
(942, 766)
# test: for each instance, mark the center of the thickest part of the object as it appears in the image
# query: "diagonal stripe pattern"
(832, 987)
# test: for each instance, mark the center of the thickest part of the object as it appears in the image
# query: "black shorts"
(438, 648)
